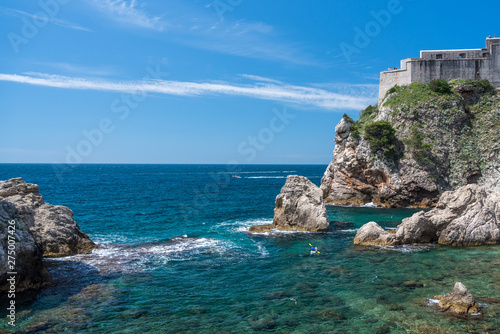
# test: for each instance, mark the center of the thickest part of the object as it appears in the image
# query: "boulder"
(468, 216)
(26, 256)
(373, 234)
(299, 207)
(52, 227)
(460, 301)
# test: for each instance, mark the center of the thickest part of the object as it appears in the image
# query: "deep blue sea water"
(175, 258)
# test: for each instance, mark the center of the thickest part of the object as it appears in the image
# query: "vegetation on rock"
(440, 86)
(366, 117)
(450, 134)
(382, 137)
(417, 144)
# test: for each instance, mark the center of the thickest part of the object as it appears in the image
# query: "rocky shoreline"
(469, 216)
(41, 230)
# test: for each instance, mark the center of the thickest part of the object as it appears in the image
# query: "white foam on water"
(350, 230)
(370, 205)
(119, 258)
(260, 172)
(262, 250)
(265, 177)
(241, 226)
(405, 248)
(431, 301)
(274, 232)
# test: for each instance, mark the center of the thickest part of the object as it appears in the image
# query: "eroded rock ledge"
(468, 216)
(299, 207)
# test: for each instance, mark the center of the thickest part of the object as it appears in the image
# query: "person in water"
(313, 250)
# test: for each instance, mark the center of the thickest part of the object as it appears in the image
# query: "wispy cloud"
(198, 27)
(54, 20)
(299, 95)
(74, 69)
(129, 12)
(258, 78)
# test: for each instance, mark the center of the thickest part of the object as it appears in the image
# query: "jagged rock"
(31, 273)
(441, 146)
(468, 216)
(52, 227)
(299, 207)
(343, 129)
(460, 301)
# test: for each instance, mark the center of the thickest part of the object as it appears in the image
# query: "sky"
(204, 81)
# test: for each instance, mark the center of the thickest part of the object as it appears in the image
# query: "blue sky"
(204, 81)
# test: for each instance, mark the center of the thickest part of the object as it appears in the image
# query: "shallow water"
(175, 258)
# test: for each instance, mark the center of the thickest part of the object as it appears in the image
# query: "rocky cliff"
(52, 227)
(27, 259)
(33, 229)
(419, 142)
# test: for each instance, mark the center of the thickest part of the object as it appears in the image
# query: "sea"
(174, 256)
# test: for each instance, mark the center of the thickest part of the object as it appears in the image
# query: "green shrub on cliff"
(483, 86)
(421, 151)
(348, 118)
(440, 86)
(365, 117)
(382, 137)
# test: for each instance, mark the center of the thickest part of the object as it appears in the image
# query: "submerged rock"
(261, 228)
(460, 301)
(52, 227)
(468, 216)
(27, 259)
(299, 207)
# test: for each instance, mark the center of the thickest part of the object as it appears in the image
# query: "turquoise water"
(175, 258)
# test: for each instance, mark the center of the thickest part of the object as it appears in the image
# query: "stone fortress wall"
(472, 64)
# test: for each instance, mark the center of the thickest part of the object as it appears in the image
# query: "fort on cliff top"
(471, 64)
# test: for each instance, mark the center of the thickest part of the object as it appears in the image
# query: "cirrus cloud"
(268, 89)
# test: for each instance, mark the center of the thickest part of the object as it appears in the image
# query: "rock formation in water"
(26, 257)
(299, 207)
(460, 301)
(468, 216)
(52, 227)
(415, 145)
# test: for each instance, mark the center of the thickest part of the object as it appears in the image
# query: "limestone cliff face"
(52, 227)
(299, 207)
(443, 141)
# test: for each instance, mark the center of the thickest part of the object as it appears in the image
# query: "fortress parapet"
(472, 64)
